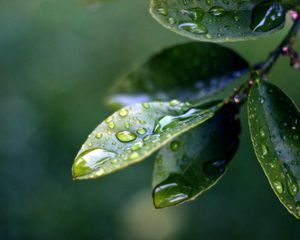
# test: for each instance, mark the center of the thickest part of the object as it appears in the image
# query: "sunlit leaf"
(185, 72)
(134, 132)
(275, 131)
(193, 162)
(217, 21)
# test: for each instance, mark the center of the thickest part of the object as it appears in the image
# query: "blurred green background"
(57, 58)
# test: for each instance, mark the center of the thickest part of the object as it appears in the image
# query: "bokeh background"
(57, 59)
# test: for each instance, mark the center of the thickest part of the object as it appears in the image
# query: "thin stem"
(240, 94)
(289, 40)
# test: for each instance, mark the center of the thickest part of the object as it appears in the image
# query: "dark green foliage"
(275, 132)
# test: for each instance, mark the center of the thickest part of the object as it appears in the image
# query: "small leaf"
(274, 122)
(186, 72)
(193, 162)
(267, 16)
(215, 21)
(135, 132)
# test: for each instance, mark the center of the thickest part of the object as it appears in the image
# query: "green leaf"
(274, 122)
(135, 132)
(267, 15)
(193, 162)
(186, 72)
(216, 21)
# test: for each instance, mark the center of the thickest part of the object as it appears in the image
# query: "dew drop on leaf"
(217, 11)
(174, 145)
(126, 136)
(278, 186)
(123, 112)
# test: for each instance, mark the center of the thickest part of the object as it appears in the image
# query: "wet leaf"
(267, 15)
(216, 21)
(275, 132)
(135, 132)
(186, 72)
(193, 162)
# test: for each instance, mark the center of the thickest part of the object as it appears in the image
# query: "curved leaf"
(133, 133)
(195, 161)
(216, 21)
(185, 72)
(274, 124)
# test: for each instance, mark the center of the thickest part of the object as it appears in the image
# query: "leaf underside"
(274, 122)
(193, 162)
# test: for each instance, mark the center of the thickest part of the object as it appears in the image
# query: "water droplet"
(137, 146)
(265, 150)
(171, 20)
(111, 125)
(208, 2)
(217, 11)
(262, 133)
(142, 121)
(127, 125)
(98, 135)
(134, 155)
(196, 14)
(214, 167)
(292, 184)
(267, 16)
(123, 112)
(171, 191)
(196, 28)
(141, 131)
(109, 119)
(174, 145)
(174, 103)
(126, 136)
(261, 99)
(91, 160)
(90, 144)
(146, 105)
(278, 187)
(162, 11)
(168, 122)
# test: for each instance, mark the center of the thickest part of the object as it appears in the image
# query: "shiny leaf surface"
(133, 133)
(274, 122)
(193, 162)
(186, 72)
(216, 21)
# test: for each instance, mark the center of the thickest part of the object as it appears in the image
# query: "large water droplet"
(267, 16)
(91, 160)
(171, 191)
(126, 136)
(278, 187)
(196, 28)
(168, 122)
